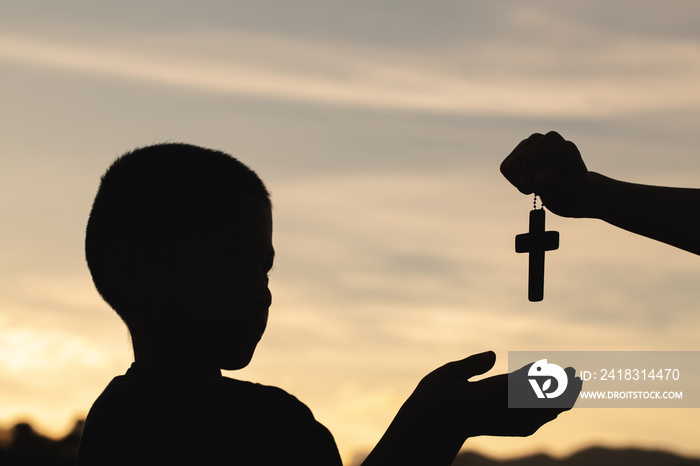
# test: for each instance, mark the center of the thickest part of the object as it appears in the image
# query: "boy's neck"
(177, 362)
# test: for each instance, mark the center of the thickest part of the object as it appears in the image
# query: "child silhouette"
(179, 244)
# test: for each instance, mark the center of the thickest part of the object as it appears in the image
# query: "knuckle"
(553, 135)
(571, 147)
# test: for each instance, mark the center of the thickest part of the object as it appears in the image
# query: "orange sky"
(379, 131)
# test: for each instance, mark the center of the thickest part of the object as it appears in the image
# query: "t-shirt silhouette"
(143, 418)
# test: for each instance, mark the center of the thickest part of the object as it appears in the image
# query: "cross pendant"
(536, 242)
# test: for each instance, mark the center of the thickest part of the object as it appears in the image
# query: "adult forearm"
(669, 215)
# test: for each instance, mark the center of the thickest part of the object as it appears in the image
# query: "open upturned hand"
(447, 402)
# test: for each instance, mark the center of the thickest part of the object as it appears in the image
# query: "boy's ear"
(129, 270)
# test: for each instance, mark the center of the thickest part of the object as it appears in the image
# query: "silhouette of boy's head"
(179, 244)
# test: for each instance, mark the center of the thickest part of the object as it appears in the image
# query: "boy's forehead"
(204, 212)
(229, 212)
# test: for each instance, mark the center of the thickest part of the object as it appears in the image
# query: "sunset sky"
(379, 127)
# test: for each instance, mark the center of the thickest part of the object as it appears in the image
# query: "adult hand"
(552, 168)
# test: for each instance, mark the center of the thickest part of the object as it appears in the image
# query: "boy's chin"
(233, 365)
(234, 362)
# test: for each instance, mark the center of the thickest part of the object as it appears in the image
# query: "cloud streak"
(499, 79)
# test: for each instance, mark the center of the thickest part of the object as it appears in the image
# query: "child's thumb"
(466, 368)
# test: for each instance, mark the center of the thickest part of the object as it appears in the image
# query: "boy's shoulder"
(138, 385)
(141, 395)
(265, 400)
(138, 407)
(145, 392)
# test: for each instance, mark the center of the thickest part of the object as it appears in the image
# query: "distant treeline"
(589, 457)
(23, 446)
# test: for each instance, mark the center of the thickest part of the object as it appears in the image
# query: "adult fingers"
(512, 165)
(517, 162)
(562, 157)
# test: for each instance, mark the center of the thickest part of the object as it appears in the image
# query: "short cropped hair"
(165, 172)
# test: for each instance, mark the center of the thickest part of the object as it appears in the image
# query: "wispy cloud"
(488, 78)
